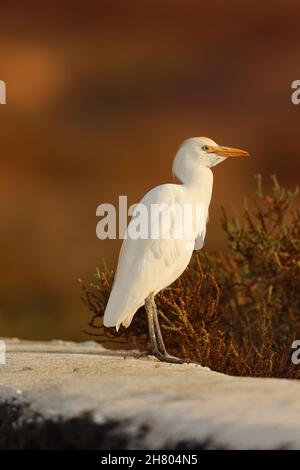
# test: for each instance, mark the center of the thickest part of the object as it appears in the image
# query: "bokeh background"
(99, 96)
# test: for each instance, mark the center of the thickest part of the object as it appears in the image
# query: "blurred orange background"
(99, 97)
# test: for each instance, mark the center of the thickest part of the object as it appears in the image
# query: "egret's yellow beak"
(228, 151)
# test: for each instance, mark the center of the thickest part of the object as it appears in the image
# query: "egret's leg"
(155, 332)
(158, 332)
(153, 341)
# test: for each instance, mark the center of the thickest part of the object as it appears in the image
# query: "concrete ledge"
(61, 395)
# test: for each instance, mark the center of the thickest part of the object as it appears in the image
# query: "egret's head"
(201, 151)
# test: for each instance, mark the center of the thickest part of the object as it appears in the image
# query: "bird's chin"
(217, 160)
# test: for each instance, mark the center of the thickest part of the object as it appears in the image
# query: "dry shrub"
(237, 312)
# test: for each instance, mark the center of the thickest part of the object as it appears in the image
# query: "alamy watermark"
(2, 92)
(295, 97)
(296, 353)
(2, 353)
(151, 222)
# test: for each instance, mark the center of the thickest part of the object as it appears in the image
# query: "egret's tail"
(120, 309)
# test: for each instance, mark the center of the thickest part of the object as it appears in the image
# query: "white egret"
(146, 266)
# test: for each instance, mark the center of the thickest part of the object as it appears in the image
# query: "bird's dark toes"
(168, 358)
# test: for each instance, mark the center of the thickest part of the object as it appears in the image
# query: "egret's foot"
(166, 357)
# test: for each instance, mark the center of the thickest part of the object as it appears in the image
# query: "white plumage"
(146, 266)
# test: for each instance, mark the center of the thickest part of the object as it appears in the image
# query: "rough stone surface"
(66, 395)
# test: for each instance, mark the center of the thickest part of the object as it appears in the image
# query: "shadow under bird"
(146, 266)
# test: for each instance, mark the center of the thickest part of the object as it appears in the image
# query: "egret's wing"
(199, 242)
(146, 265)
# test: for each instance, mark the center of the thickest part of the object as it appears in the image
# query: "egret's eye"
(205, 148)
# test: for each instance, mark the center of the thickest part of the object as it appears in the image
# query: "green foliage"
(237, 312)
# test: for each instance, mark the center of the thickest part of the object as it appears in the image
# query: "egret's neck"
(197, 175)
(198, 183)
(194, 176)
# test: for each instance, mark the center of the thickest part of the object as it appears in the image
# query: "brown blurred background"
(99, 96)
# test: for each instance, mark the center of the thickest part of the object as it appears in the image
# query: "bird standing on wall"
(146, 266)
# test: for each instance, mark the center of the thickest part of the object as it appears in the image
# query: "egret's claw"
(169, 358)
